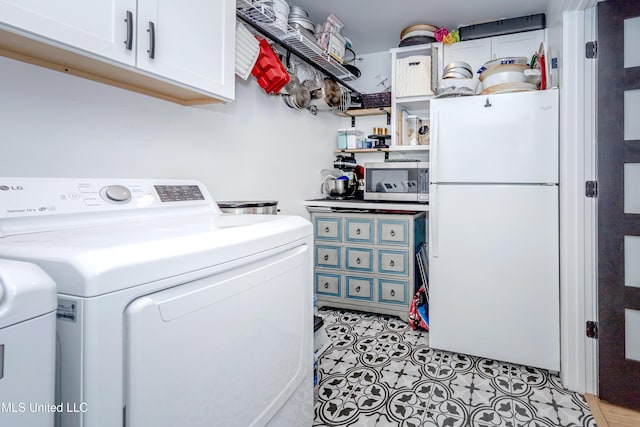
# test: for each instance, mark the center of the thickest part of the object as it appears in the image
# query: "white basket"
(413, 76)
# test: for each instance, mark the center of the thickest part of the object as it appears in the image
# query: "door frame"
(578, 214)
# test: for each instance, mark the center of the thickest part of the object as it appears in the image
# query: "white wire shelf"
(266, 22)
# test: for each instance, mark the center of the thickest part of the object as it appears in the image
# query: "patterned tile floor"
(379, 372)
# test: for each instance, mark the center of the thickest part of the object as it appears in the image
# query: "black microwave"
(400, 181)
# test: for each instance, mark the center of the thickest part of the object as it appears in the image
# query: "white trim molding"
(578, 294)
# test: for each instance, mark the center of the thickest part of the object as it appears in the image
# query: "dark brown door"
(618, 114)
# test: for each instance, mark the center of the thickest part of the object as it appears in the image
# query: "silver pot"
(268, 207)
(338, 187)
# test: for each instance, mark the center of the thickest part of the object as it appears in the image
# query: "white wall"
(376, 72)
(255, 148)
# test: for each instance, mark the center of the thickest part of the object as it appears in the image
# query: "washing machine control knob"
(116, 194)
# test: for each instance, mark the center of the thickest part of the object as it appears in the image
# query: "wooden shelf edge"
(363, 150)
(376, 111)
(391, 149)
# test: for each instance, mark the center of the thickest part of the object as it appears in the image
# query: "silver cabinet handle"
(392, 263)
(392, 293)
(358, 231)
(357, 289)
(326, 257)
(326, 285)
(358, 261)
(152, 40)
(128, 43)
(326, 229)
(392, 233)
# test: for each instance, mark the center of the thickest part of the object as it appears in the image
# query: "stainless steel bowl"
(297, 11)
(455, 75)
(305, 23)
(268, 207)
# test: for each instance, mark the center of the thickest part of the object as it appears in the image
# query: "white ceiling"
(375, 25)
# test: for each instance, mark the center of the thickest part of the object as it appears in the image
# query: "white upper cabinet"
(182, 51)
(518, 44)
(477, 52)
(192, 42)
(96, 27)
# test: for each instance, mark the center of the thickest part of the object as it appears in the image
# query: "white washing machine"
(169, 312)
(27, 345)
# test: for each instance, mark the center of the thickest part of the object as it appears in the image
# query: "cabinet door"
(97, 27)
(518, 44)
(189, 42)
(474, 52)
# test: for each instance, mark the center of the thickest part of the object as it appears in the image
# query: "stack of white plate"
(505, 75)
(247, 51)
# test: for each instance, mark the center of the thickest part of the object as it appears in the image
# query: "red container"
(269, 71)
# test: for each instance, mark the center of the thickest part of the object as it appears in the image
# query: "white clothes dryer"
(27, 345)
(169, 312)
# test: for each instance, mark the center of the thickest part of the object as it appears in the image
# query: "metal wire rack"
(264, 21)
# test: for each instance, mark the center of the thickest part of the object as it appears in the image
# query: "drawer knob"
(392, 293)
(393, 233)
(392, 263)
(326, 285)
(326, 229)
(358, 289)
(358, 261)
(326, 257)
(358, 231)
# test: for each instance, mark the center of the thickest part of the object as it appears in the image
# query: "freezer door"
(495, 138)
(494, 273)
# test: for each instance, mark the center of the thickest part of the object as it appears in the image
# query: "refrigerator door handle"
(433, 156)
(433, 221)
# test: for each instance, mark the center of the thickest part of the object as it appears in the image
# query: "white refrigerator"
(494, 227)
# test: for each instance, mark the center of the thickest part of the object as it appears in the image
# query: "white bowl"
(507, 73)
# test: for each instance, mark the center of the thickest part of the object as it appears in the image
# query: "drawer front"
(328, 256)
(393, 291)
(327, 228)
(359, 259)
(393, 262)
(328, 284)
(359, 288)
(393, 232)
(359, 230)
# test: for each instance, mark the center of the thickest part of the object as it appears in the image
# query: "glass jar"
(411, 130)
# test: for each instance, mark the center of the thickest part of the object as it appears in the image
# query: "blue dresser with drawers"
(366, 261)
